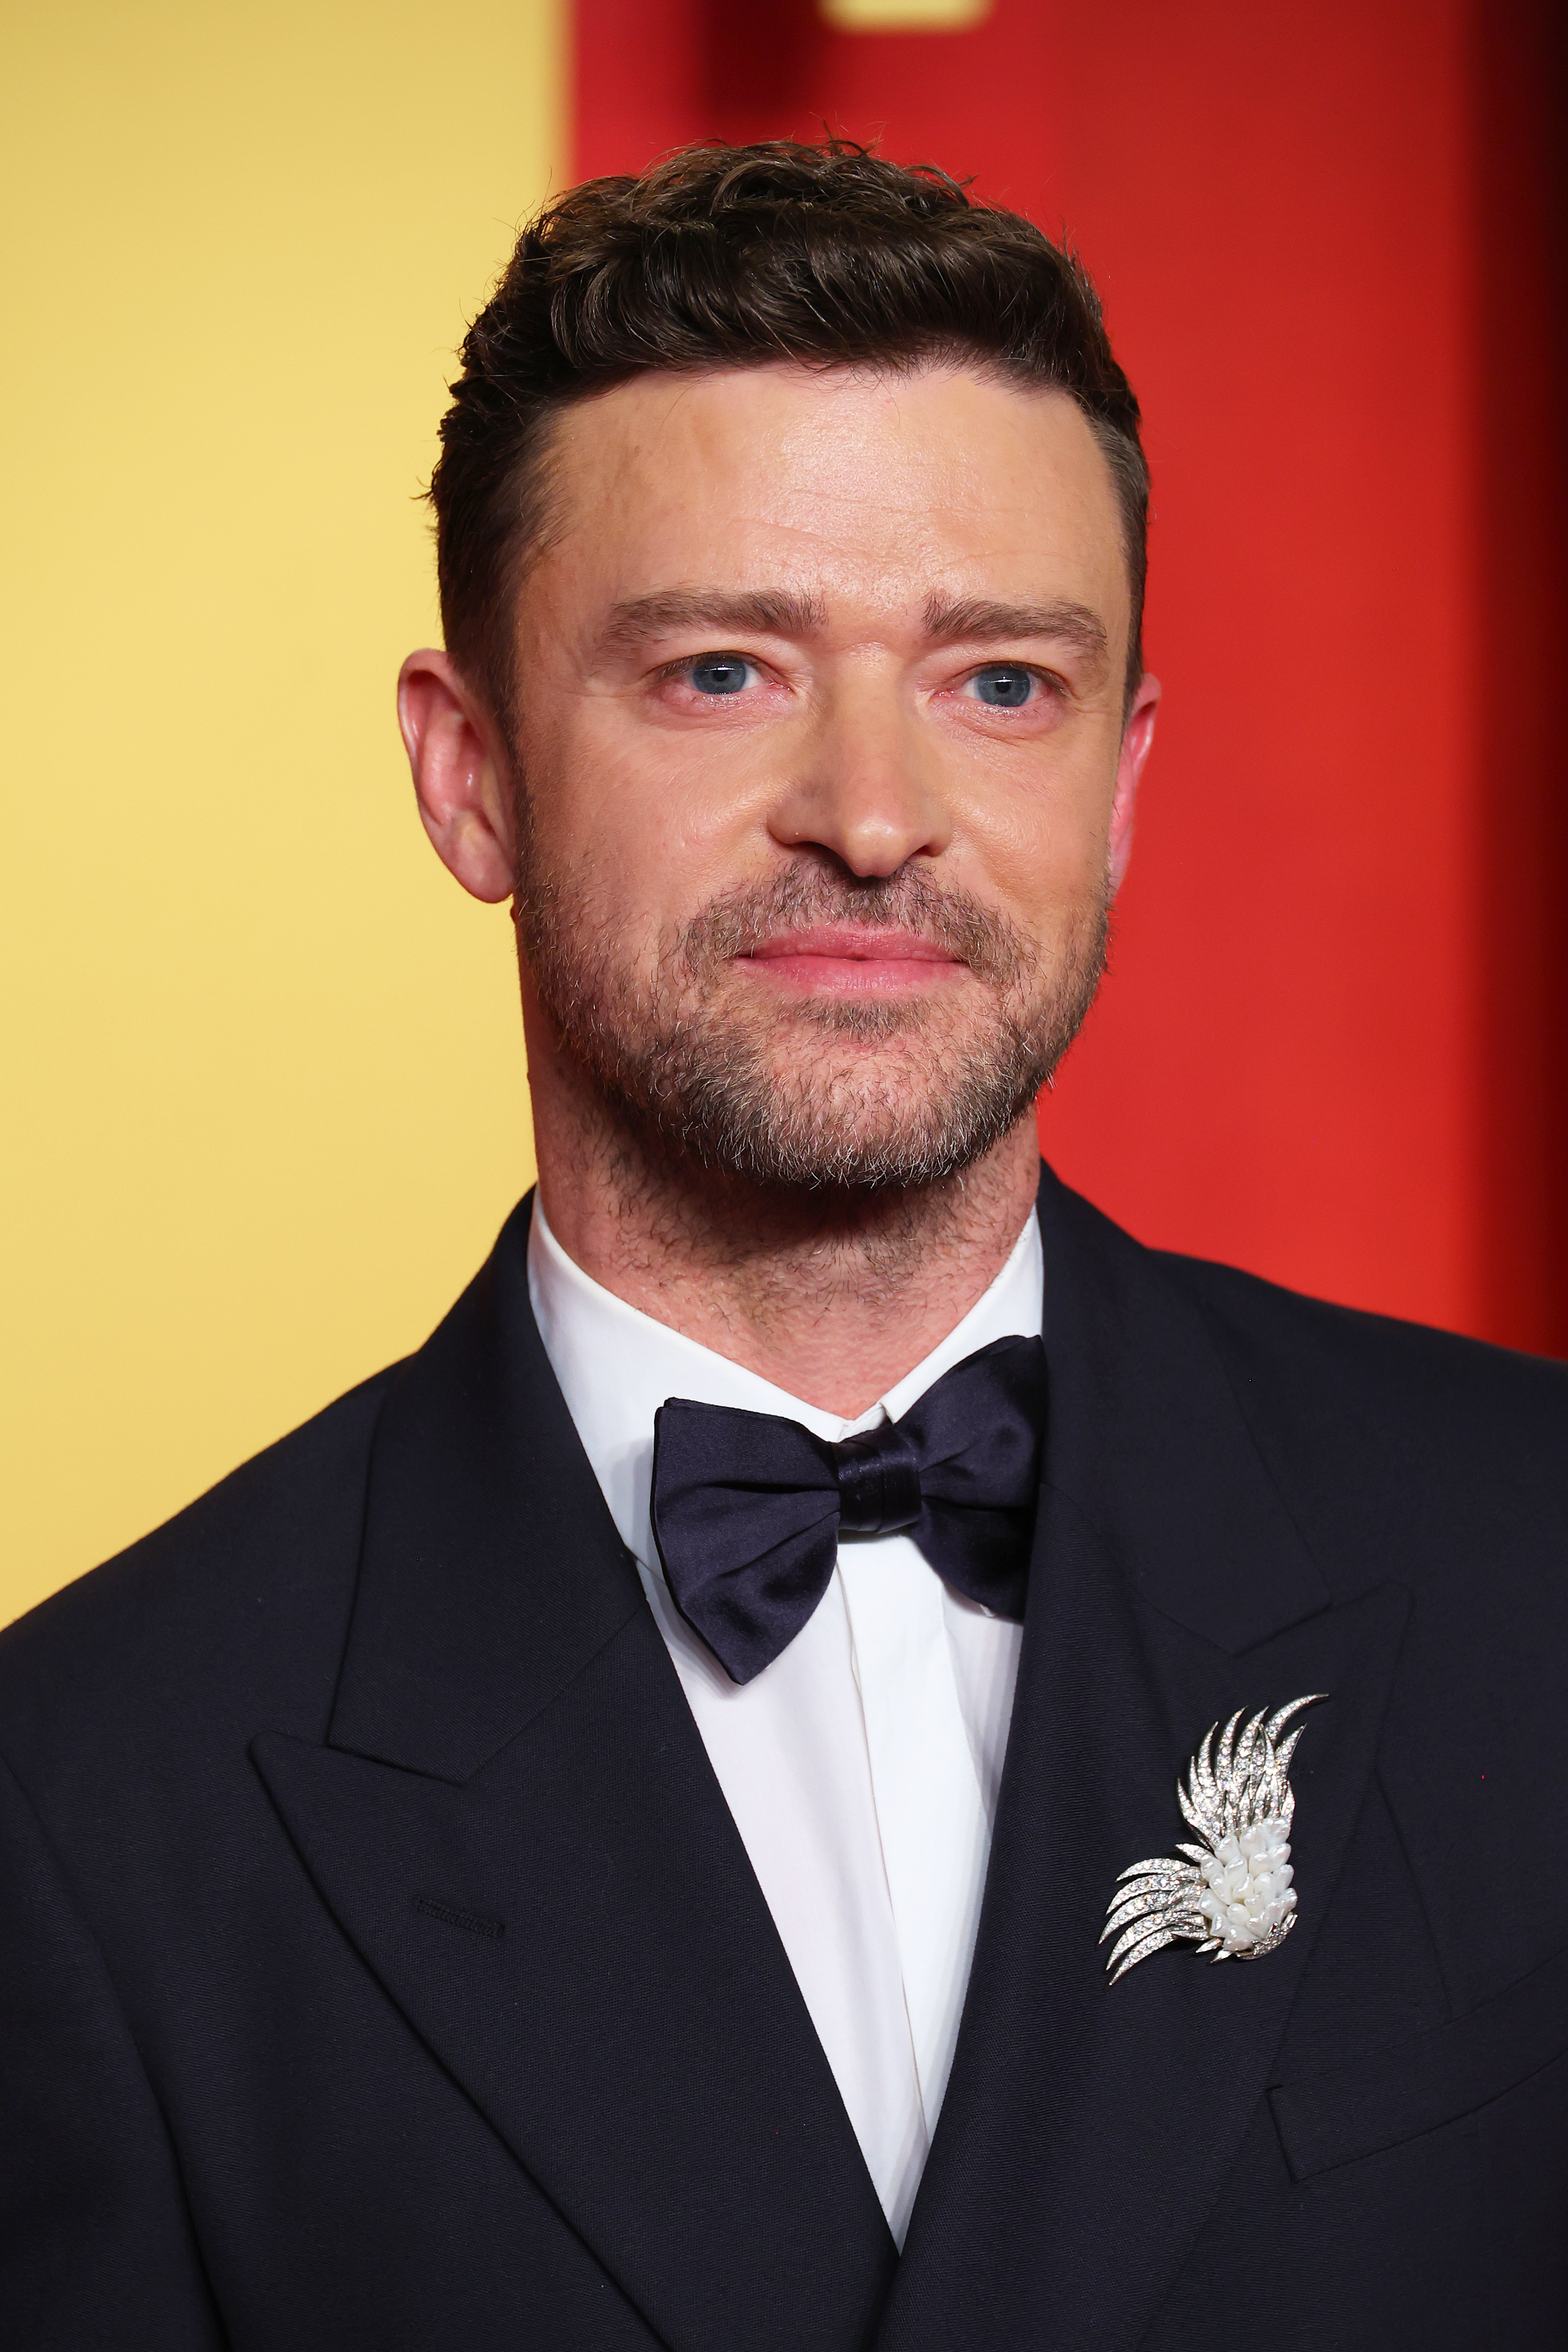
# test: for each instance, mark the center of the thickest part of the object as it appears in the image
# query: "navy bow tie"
(748, 1507)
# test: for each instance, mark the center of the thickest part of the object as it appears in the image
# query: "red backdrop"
(1332, 1046)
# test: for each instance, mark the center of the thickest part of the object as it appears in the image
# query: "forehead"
(863, 481)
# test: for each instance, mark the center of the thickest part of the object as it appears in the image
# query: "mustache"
(803, 897)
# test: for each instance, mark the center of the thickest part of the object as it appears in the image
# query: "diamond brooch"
(1232, 1895)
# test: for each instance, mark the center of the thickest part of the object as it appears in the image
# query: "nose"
(867, 788)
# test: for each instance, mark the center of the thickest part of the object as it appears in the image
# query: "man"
(653, 1822)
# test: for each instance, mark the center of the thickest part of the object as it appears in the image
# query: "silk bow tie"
(748, 1507)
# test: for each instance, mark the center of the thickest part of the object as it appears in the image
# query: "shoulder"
(1399, 1450)
(1316, 1336)
(1343, 1395)
(1411, 1454)
(1384, 1398)
(235, 1608)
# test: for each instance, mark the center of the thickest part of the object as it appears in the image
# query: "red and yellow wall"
(263, 1078)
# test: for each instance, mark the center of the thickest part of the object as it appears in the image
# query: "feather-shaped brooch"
(1232, 1896)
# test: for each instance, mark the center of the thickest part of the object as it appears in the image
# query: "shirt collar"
(616, 1366)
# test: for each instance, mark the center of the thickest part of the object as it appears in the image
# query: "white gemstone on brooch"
(1233, 1896)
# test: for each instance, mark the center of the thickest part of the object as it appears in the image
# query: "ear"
(460, 775)
(1137, 736)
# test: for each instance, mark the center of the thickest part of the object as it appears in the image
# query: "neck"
(832, 1296)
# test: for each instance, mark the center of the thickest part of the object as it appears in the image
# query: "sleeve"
(96, 2242)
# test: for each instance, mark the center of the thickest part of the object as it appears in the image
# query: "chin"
(896, 1115)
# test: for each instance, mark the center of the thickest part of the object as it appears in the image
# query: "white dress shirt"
(861, 1766)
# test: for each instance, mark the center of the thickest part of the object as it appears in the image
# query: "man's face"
(819, 724)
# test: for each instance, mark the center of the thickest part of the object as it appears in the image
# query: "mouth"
(847, 959)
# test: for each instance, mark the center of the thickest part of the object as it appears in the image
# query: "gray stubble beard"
(696, 1080)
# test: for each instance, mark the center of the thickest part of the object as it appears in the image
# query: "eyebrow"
(766, 610)
(777, 613)
(978, 618)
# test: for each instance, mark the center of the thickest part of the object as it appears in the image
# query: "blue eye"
(1005, 689)
(719, 674)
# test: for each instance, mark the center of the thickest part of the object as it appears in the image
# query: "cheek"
(643, 837)
(1044, 845)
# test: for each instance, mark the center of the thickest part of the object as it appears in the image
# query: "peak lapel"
(515, 1822)
(1087, 2129)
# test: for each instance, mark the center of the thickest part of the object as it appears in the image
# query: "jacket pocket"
(1431, 2079)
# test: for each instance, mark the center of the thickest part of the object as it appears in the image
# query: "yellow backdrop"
(263, 1083)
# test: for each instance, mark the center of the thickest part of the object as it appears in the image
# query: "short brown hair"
(726, 257)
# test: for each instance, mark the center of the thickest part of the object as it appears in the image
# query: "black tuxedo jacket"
(380, 1966)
